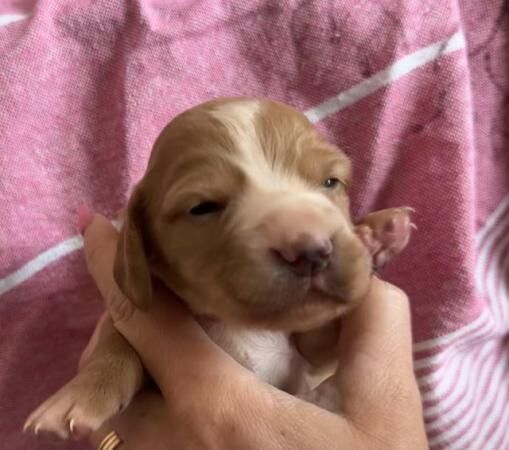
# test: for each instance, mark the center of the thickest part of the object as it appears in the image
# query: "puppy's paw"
(78, 408)
(386, 233)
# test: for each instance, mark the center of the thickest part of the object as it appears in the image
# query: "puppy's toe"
(51, 416)
(76, 410)
(386, 233)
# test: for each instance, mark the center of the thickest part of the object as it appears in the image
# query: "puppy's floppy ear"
(130, 268)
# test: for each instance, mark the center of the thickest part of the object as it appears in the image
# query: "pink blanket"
(417, 92)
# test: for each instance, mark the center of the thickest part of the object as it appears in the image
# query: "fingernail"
(85, 216)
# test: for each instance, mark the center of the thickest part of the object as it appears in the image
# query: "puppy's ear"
(130, 268)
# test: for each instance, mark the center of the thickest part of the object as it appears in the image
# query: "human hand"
(207, 400)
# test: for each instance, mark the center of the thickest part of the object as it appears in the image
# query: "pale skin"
(206, 400)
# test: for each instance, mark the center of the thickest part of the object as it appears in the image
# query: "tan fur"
(266, 164)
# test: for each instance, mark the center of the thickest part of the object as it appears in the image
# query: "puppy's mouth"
(310, 274)
(316, 306)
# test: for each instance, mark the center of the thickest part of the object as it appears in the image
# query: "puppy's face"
(243, 213)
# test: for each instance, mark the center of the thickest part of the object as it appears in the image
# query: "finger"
(376, 354)
(100, 247)
(380, 326)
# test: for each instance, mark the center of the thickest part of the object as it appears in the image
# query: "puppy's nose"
(306, 255)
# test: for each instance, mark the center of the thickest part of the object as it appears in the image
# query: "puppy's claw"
(78, 431)
(77, 409)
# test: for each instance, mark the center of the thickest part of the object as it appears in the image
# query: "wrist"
(262, 416)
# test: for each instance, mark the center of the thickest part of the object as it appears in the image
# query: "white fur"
(268, 354)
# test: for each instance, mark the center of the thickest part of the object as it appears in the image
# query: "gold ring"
(111, 441)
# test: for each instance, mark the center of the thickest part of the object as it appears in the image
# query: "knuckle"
(119, 307)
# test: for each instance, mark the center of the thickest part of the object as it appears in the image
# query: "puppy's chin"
(301, 306)
(317, 307)
(311, 315)
(316, 311)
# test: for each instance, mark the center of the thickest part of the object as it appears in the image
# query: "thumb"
(100, 245)
(375, 348)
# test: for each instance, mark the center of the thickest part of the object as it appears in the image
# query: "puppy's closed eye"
(206, 207)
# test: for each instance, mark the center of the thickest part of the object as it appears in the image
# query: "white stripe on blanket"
(7, 19)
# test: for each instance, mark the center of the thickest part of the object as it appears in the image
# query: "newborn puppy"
(243, 213)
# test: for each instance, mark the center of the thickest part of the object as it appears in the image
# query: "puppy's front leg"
(110, 374)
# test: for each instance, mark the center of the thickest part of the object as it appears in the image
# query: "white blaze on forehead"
(240, 118)
(270, 187)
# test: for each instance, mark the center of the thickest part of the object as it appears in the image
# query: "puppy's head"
(243, 212)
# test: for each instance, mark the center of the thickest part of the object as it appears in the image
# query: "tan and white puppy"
(243, 212)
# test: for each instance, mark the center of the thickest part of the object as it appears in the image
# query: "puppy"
(243, 212)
